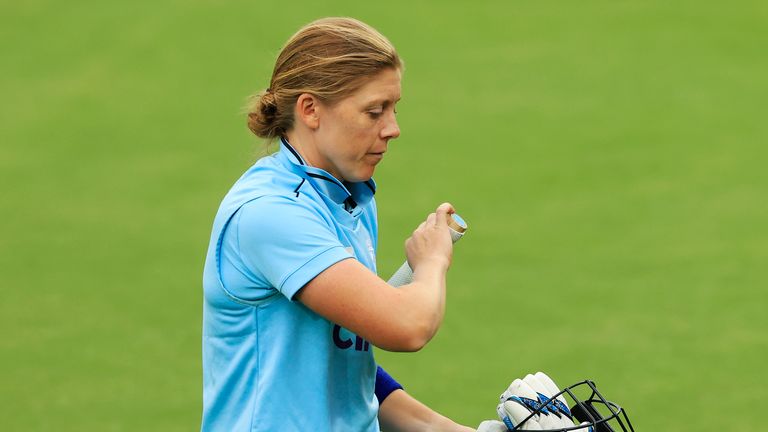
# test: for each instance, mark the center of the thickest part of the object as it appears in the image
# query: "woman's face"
(353, 134)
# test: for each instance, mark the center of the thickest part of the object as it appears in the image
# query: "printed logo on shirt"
(345, 342)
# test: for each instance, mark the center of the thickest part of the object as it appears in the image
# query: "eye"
(375, 114)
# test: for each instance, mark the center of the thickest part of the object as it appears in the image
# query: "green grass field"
(609, 156)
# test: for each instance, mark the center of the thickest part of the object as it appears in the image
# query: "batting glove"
(492, 426)
(534, 394)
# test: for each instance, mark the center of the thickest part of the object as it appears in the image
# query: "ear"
(307, 110)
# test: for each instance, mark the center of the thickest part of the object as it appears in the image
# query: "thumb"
(443, 211)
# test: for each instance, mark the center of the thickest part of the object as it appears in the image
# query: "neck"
(303, 145)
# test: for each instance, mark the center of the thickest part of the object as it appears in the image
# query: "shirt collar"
(348, 194)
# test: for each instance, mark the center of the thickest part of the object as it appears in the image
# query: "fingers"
(515, 414)
(432, 240)
(548, 383)
(443, 212)
(559, 404)
(552, 418)
(432, 219)
(551, 387)
(534, 394)
(518, 402)
(440, 216)
(446, 207)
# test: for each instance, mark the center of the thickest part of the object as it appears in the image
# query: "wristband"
(385, 384)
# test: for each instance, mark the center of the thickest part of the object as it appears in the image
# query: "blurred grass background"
(609, 156)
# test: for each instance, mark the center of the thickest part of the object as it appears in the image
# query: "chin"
(359, 176)
(359, 179)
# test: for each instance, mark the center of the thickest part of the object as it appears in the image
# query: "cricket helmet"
(590, 410)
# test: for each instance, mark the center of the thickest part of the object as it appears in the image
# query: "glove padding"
(526, 396)
(492, 426)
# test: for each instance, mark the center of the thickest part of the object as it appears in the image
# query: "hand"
(531, 394)
(431, 241)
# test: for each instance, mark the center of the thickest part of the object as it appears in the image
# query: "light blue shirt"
(269, 362)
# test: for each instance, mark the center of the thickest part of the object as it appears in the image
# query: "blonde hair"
(329, 58)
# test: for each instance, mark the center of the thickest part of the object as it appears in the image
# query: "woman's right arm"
(395, 319)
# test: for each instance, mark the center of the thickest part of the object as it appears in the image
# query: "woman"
(292, 300)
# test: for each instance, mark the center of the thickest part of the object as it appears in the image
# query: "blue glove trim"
(385, 384)
(529, 403)
(555, 406)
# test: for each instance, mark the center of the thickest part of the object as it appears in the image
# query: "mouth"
(376, 155)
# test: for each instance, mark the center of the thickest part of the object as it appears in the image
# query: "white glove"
(518, 403)
(532, 393)
(492, 426)
(547, 388)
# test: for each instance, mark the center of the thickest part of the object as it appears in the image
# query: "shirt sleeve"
(286, 242)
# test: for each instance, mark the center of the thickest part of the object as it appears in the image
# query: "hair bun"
(268, 103)
(262, 115)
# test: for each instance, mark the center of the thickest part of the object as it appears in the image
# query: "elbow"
(408, 344)
(410, 338)
(420, 335)
(413, 324)
(414, 344)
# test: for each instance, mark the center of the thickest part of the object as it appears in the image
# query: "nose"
(391, 130)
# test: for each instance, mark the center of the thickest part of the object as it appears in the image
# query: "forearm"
(400, 412)
(425, 299)
(394, 319)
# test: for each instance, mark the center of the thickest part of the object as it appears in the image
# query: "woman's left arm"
(400, 412)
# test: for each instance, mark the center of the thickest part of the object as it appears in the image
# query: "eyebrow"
(382, 101)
